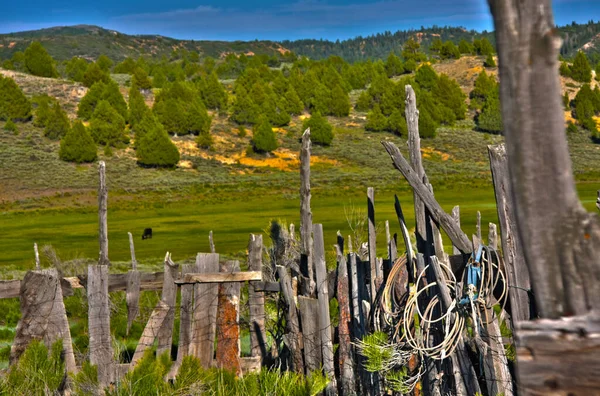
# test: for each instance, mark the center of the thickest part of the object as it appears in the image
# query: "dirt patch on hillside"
(465, 70)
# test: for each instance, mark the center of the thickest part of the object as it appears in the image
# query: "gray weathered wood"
(493, 236)
(37, 256)
(598, 200)
(478, 225)
(204, 320)
(372, 242)
(169, 297)
(256, 299)
(132, 296)
(438, 244)
(211, 242)
(100, 344)
(345, 350)
(132, 250)
(456, 216)
(157, 318)
(311, 335)
(186, 311)
(456, 235)
(324, 318)
(102, 219)
(228, 318)
(220, 277)
(306, 243)
(358, 320)
(294, 335)
(512, 251)
(43, 316)
(118, 282)
(494, 358)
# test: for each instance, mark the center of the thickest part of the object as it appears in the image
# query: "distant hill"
(91, 41)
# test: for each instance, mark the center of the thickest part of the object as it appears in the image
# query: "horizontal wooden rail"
(220, 277)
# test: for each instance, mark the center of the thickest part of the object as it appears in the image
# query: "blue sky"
(267, 19)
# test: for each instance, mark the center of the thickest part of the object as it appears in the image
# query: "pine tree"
(113, 95)
(427, 125)
(104, 63)
(172, 115)
(263, 139)
(340, 103)
(38, 62)
(581, 70)
(14, 105)
(321, 100)
(566, 101)
(376, 121)
(397, 123)
(294, 104)
(90, 101)
(156, 149)
(393, 65)
(364, 101)
(212, 92)
(483, 47)
(490, 119)
(564, 69)
(482, 89)
(450, 95)
(75, 68)
(489, 61)
(94, 74)
(159, 78)
(321, 131)
(426, 77)
(77, 145)
(58, 123)
(147, 122)
(449, 50)
(127, 66)
(244, 110)
(204, 140)
(137, 106)
(140, 79)
(465, 47)
(198, 119)
(107, 126)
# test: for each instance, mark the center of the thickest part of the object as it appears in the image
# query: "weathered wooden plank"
(260, 286)
(132, 296)
(311, 335)
(306, 243)
(100, 344)
(456, 235)
(478, 225)
(294, 335)
(495, 358)
(228, 316)
(205, 311)
(512, 250)
(102, 219)
(186, 311)
(372, 242)
(43, 316)
(456, 216)
(37, 256)
(132, 250)
(211, 242)
(157, 318)
(220, 277)
(118, 282)
(324, 318)
(169, 297)
(438, 244)
(10, 289)
(256, 299)
(493, 236)
(345, 350)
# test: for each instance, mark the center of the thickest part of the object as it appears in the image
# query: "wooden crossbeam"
(220, 277)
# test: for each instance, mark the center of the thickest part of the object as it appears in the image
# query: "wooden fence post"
(294, 335)
(228, 315)
(493, 236)
(306, 240)
(311, 335)
(211, 242)
(150, 333)
(372, 243)
(256, 299)
(132, 295)
(37, 257)
(186, 311)
(323, 297)
(205, 311)
(100, 344)
(102, 214)
(456, 217)
(169, 297)
(345, 350)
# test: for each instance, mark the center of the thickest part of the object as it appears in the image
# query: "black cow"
(147, 233)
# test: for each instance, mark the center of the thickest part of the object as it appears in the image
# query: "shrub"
(294, 104)
(42, 111)
(107, 126)
(94, 74)
(241, 131)
(489, 61)
(198, 119)
(85, 382)
(58, 123)
(137, 106)
(75, 68)
(113, 95)
(321, 132)
(376, 121)
(426, 77)
(10, 126)
(571, 127)
(90, 101)
(397, 123)
(244, 110)
(340, 103)
(263, 139)
(364, 102)
(490, 119)
(14, 105)
(38, 62)
(204, 140)
(156, 149)
(78, 145)
(427, 126)
(148, 122)
(566, 101)
(140, 79)
(564, 69)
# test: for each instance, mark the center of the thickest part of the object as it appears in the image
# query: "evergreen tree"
(564, 69)
(57, 124)
(397, 123)
(393, 65)
(94, 74)
(159, 78)
(38, 62)
(90, 101)
(137, 106)
(321, 132)
(244, 110)
(14, 105)
(427, 126)
(107, 126)
(436, 45)
(449, 94)
(364, 102)
(566, 101)
(490, 119)
(172, 115)
(294, 104)
(263, 139)
(410, 65)
(449, 50)
(198, 119)
(482, 89)
(411, 51)
(156, 149)
(42, 111)
(75, 68)
(77, 145)
(104, 63)
(140, 79)
(147, 122)
(426, 77)
(586, 104)
(112, 94)
(465, 47)
(212, 92)
(376, 121)
(489, 61)
(127, 66)
(581, 70)
(340, 103)
(10, 126)
(483, 47)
